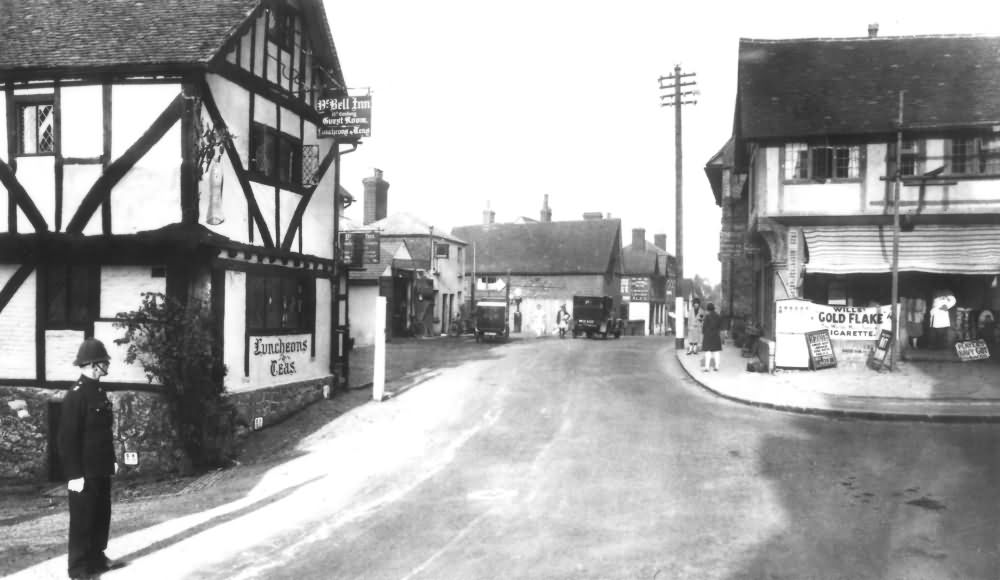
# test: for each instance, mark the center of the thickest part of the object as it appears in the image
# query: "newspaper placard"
(972, 350)
(821, 354)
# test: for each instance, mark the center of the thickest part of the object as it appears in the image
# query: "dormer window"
(35, 125)
(821, 162)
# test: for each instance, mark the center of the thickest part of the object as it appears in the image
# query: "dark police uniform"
(86, 447)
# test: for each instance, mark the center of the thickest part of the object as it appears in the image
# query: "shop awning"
(936, 249)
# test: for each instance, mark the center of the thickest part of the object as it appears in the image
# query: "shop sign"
(821, 354)
(851, 322)
(279, 356)
(360, 248)
(972, 350)
(638, 289)
(345, 118)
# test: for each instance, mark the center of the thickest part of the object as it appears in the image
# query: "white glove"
(75, 484)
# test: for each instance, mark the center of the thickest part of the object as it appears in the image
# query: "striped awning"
(935, 249)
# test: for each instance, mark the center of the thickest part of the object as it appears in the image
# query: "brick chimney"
(593, 215)
(638, 239)
(873, 30)
(660, 241)
(546, 214)
(376, 197)
(488, 215)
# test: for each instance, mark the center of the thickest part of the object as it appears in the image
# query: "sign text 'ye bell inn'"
(345, 117)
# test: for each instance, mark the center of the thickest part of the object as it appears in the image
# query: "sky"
(497, 104)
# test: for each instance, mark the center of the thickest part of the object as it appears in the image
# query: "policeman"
(87, 451)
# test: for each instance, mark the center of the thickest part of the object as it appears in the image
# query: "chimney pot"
(546, 213)
(873, 30)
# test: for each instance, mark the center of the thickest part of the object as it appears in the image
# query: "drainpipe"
(335, 293)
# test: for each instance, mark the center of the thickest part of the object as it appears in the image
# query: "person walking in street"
(562, 321)
(695, 315)
(87, 452)
(711, 338)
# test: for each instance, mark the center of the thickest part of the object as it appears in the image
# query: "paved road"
(600, 459)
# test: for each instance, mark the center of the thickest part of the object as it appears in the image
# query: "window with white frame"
(820, 162)
(970, 155)
(911, 158)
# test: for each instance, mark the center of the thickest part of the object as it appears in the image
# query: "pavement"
(913, 390)
(926, 391)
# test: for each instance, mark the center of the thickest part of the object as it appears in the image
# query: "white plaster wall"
(290, 123)
(77, 181)
(3, 126)
(38, 176)
(317, 222)
(362, 314)
(234, 325)
(772, 160)
(289, 202)
(265, 112)
(149, 196)
(264, 195)
(822, 198)
(235, 213)
(17, 327)
(134, 107)
(234, 106)
(122, 288)
(60, 352)
(82, 120)
(324, 332)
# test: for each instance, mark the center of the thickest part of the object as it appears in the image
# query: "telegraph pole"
(676, 99)
(894, 342)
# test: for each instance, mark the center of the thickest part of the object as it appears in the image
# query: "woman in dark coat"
(711, 338)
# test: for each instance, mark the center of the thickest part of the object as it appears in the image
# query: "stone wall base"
(262, 407)
(29, 423)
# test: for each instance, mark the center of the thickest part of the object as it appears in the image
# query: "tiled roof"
(387, 249)
(95, 33)
(642, 261)
(106, 34)
(406, 224)
(813, 87)
(569, 247)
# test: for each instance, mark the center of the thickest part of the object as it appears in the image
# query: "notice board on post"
(821, 355)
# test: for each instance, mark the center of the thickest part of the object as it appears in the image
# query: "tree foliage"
(177, 347)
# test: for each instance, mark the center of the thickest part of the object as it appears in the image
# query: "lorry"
(490, 311)
(596, 315)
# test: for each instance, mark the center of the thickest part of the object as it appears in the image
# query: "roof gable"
(110, 34)
(570, 247)
(815, 87)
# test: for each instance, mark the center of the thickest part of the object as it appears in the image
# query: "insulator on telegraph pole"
(676, 97)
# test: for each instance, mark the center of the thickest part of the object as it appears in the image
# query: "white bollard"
(378, 376)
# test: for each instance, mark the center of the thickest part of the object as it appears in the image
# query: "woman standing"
(695, 315)
(712, 338)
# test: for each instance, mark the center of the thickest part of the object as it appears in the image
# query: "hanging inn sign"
(344, 117)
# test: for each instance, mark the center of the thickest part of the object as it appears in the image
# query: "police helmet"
(91, 351)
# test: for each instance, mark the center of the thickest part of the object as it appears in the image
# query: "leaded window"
(36, 128)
